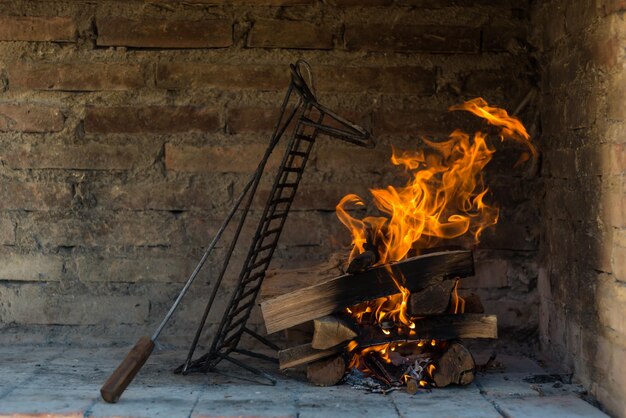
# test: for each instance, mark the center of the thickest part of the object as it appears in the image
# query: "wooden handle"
(126, 371)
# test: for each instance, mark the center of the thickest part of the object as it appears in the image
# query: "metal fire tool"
(307, 119)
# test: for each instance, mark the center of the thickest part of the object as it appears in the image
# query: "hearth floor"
(55, 381)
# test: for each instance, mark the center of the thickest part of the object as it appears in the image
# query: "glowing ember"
(443, 199)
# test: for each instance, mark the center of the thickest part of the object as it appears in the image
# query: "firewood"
(341, 292)
(303, 354)
(455, 366)
(362, 262)
(326, 372)
(473, 304)
(330, 331)
(279, 282)
(443, 327)
(434, 300)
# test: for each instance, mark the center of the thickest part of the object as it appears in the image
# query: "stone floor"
(57, 381)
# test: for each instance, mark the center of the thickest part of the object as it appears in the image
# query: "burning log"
(444, 327)
(361, 262)
(330, 331)
(333, 295)
(303, 354)
(326, 372)
(455, 366)
(433, 300)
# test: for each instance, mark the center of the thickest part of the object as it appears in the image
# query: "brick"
(48, 304)
(427, 4)
(490, 274)
(75, 77)
(613, 203)
(618, 257)
(353, 160)
(392, 80)
(128, 269)
(422, 38)
(560, 163)
(611, 296)
(360, 3)
(480, 83)
(499, 38)
(318, 197)
(159, 33)
(81, 157)
(31, 28)
(215, 159)
(153, 119)
(510, 235)
(181, 75)
(416, 122)
(101, 230)
(31, 267)
(30, 118)
(7, 231)
(548, 406)
(289, 34)
(617, 98)
(251, 119)
(254, 2)
(34, 196)
(171, 195)
(300, 230)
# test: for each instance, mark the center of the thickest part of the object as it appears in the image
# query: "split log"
(444, 327)
(455, 366)
(279, 282)
(330, 331)
(303, 354)
(434, 300)
(341, 292)
(326, 372)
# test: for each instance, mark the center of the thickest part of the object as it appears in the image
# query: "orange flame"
(444, 198)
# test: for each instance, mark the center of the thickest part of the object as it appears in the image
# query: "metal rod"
(248, 368)
(261, 339)
(204, 258)
(256, 355)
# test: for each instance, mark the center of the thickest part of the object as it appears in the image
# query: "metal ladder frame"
(307, 118)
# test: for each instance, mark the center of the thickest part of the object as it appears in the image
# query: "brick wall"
(128, 127)
(582, 278)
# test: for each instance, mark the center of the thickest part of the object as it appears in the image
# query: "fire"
(444, 198)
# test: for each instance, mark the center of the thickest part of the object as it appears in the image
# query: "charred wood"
(361, 262)
(444, 327)
(434, 300)
(326, 372)
(338, 293)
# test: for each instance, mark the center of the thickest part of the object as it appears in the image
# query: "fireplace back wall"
(128, 127)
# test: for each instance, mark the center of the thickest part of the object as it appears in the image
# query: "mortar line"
(33, 375)
(395, 406)
(493, 403)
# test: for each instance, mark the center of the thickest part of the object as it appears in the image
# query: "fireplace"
(129, 130)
